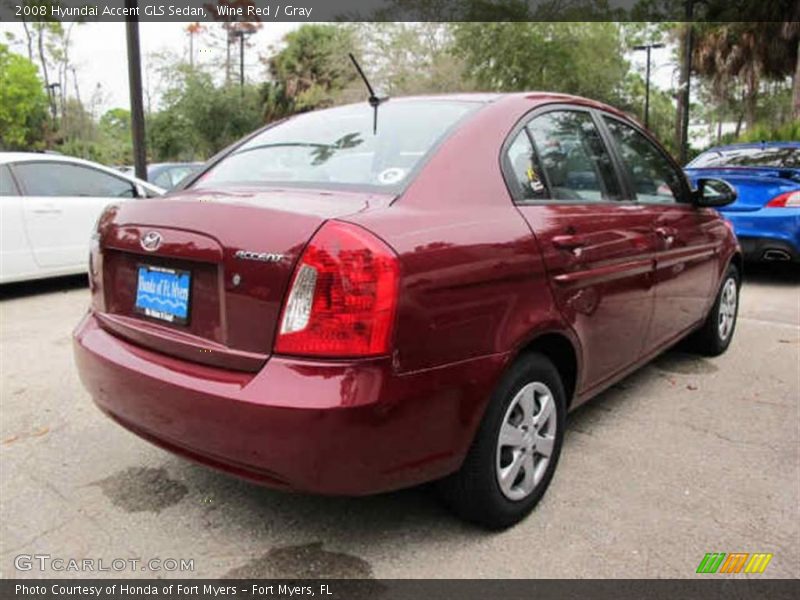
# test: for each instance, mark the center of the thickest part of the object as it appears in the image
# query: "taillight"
(104, 221)
(785, 200)
(343, 296)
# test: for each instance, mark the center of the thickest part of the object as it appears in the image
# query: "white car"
(48, 207)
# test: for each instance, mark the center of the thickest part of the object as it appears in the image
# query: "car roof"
(9, 157)
(14, 157)
(517, 100)
(20, 157)
(536, 97)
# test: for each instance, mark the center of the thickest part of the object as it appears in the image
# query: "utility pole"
(51, 97)
(241, 60)
(242, 32)
(135, 88)
(647, 48)
(687, 84)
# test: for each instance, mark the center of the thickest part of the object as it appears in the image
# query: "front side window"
(60, 179)
(342, 146)
(654, 179)
(573, 158)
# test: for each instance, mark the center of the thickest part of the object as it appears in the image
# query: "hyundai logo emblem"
(151, 241)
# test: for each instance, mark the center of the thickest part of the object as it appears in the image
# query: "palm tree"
(747, 53)
(791, 31)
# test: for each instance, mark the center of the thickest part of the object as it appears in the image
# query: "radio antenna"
(373, 99)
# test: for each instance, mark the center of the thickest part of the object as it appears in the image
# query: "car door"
(61, 204)
(16, 259)
(598, 249)
(689, 238)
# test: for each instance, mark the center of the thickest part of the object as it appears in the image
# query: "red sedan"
(349, 302)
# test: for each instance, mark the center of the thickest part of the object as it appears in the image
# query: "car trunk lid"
(238, 247)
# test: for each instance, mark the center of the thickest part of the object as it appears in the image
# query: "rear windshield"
(342, 146)
(749, 157)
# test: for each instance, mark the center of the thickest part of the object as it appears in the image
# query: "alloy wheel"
(727, 309)
(526, 441)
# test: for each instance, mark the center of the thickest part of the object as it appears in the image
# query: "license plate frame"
(164, 307)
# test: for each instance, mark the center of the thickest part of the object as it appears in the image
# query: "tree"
(662, 108)
(791, 30)
(748, 53)
(200, 118)
(23, 104)
(311, 69)
(231, 27)
(410, 58)
(115, 135)
(578, 58)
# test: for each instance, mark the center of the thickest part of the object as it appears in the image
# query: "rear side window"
(573, 159)
(58, 179)
(348, 145)
(7, 185)
(654, 179)
(524, 167)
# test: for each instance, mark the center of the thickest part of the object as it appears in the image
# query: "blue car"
(766, 214)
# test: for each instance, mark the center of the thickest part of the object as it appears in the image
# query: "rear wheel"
(714, 337)
(516, 449)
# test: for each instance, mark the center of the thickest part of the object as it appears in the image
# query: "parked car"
(167, 175)
(366, 298)
(766, 215)
(48, 206)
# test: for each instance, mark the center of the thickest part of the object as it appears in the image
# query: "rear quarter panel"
(473, 281)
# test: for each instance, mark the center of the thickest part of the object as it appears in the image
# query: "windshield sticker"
(390, 176)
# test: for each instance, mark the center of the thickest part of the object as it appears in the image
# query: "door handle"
(667, 234)
(48, 209)
(569, 242)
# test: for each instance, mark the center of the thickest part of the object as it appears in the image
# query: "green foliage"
(577, 58)
(662, 109)
(789, 132)
(107, 141)
(23, 103)
(115, 136)
(410, 58)
(311, 69)
(200, 117)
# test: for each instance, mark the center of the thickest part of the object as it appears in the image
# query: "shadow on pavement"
(23, 289)
(784, 274)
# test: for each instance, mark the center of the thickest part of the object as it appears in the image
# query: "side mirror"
(713, 193)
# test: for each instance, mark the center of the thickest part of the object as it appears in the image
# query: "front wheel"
(714, 337)
(515, 452)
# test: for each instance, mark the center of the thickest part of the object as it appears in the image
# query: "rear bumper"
(768, 250)
(765, 232)
(323, 427)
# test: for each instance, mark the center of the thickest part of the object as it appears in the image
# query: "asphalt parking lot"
(685, 457)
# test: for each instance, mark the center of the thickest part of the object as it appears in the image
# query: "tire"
(714, 337)
(475, 492)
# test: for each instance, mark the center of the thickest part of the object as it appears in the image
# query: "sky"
(100, 55)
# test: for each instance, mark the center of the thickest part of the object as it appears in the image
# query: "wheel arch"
(563, 352)
(737, 260)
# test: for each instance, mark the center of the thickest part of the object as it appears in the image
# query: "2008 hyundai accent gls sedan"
(348, 302)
